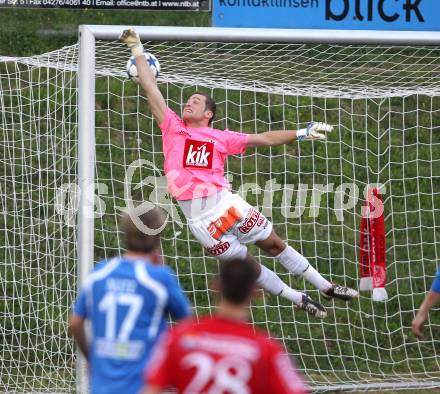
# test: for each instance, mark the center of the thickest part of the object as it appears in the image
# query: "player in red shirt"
(223, 354)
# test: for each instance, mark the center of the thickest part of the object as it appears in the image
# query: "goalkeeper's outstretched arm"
(274, 138)
(146, 78)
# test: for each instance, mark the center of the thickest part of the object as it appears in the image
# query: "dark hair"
(210, 105)
(137, 240)
(237, 280)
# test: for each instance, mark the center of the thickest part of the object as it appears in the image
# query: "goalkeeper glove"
(131, 38)
(312, 131)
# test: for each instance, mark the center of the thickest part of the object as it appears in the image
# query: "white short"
(225, 229)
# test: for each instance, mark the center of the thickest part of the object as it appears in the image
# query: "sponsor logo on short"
(212, 229)
(198, 154)
(219, 248)
(250, 221)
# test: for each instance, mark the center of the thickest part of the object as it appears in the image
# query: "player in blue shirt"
(432, 298)
(127, 300)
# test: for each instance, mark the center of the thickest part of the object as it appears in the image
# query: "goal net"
(384, 102)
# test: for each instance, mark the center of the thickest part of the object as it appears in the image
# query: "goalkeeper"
(220, 220)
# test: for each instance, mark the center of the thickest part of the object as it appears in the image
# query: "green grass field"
(392, 141)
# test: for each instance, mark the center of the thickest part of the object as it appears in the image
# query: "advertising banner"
(329, 14)
(191, 5)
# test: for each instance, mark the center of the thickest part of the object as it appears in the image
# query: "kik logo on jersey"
(198, 154)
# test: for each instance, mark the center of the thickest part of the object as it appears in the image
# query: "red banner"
(372, 263)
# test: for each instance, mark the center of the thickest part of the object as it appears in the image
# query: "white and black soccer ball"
(152, 62)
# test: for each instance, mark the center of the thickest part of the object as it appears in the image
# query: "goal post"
(79, 145)
(86, 175)
(323, 371)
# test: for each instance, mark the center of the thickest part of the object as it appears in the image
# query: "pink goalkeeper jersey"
(195, 157)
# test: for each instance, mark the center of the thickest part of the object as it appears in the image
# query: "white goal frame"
(88, 34)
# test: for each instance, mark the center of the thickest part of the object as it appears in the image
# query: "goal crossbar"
(306, 36)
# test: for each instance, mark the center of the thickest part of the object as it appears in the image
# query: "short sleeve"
(178, 305)
(160, 367)
(235, 142)
(171, 122)
(436, 283)
(80, 307)
(283, 376)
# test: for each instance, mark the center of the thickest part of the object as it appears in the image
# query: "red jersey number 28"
(229, 374)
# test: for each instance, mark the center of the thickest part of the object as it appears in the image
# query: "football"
(152, 62)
